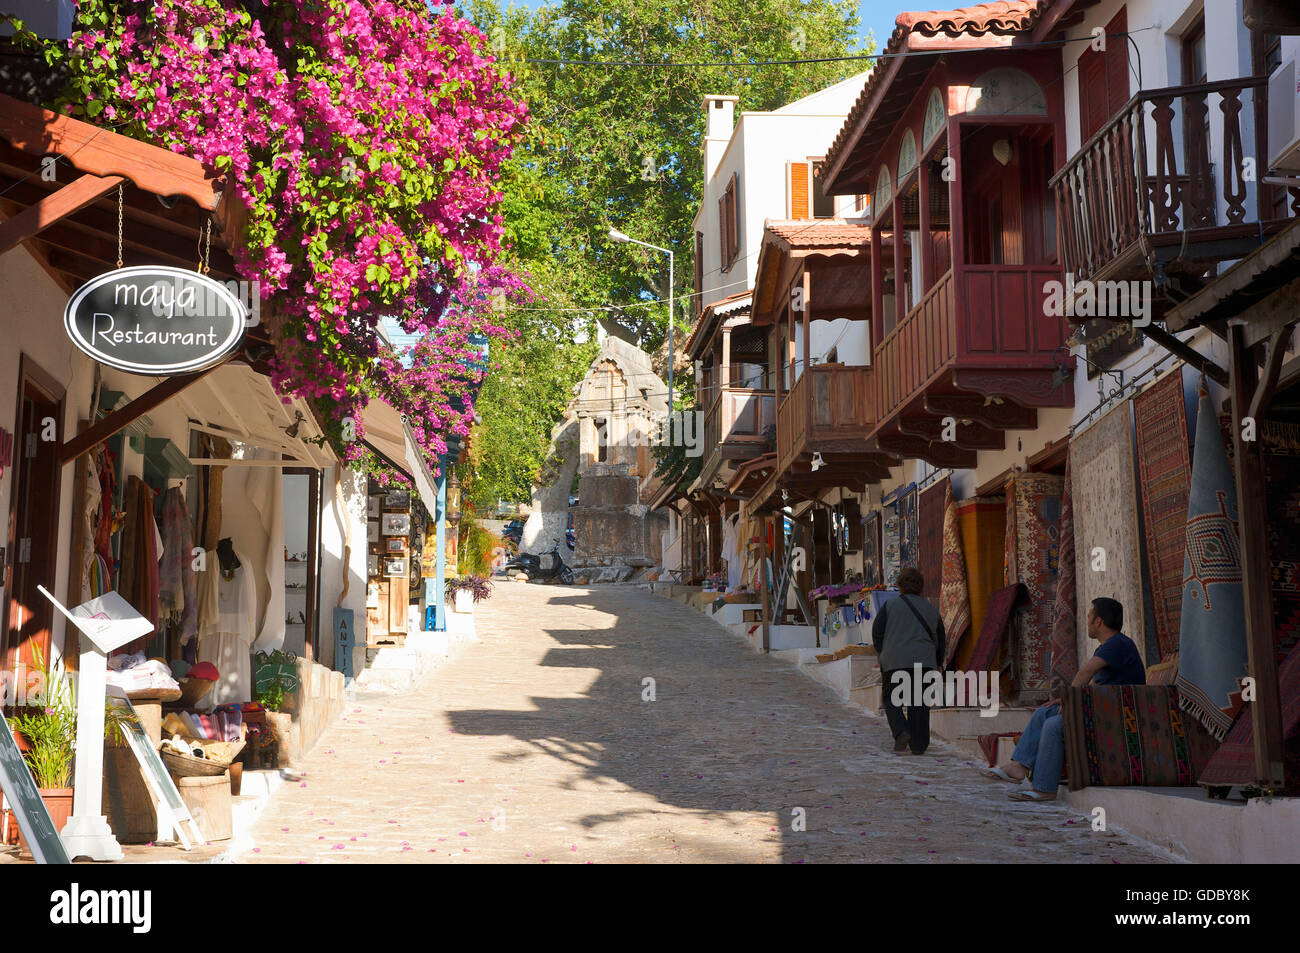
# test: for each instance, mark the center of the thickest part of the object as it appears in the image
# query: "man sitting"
(1041, 749)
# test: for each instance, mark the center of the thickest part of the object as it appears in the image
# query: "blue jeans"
(1042, 748)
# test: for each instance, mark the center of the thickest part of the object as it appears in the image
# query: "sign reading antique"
(155, 320)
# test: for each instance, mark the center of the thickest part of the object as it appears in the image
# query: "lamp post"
(621, 238)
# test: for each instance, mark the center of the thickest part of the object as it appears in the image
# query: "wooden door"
(33, 516)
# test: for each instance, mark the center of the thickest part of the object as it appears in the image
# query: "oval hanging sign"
(155, 320)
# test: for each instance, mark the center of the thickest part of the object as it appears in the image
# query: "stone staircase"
(399, 667)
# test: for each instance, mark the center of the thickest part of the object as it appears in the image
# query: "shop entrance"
(302, 559)
(33, 516)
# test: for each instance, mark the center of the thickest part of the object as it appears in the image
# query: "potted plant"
(467, 591)
(277, 676)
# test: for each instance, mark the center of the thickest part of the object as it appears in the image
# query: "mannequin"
(226, 555)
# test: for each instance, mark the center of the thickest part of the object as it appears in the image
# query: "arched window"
(1006, 91)
(906, 155)
(936, 115)
(884, 191)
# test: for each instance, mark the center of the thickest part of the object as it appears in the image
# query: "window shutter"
(723, 232)
(1116, 64)
(797, 190)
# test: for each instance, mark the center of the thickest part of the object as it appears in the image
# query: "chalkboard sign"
(155, 320)
(25, 801)
(172, 812)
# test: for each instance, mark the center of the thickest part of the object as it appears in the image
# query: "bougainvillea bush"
(364, 137)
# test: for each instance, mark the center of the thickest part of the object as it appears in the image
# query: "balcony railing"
(829, 403)
(1150, 171)
(924, 343)
(739, 416)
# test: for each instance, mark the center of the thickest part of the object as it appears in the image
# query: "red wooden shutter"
(722, 232)
(1103, 78)
(797, 191)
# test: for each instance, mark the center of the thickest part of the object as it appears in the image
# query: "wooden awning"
(58, 196)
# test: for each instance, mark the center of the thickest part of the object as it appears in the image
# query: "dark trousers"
(916, 723)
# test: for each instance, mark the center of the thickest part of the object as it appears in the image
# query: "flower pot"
(280, 724)
(464, 601)
(58, 801)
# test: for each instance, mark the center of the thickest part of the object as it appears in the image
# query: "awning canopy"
(389, 437)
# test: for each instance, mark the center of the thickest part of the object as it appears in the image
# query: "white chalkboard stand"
(107, 622)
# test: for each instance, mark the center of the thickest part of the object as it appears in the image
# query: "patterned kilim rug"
(1282, 474)
(930, 548)
(1065, 627)
(983, 521)
(985, 657)
(1212, 629)
(1107, 544)
(954, 597)
(1165, 478)
(871, 568)
(909, 530)
(1037, 553)
(1132, 735)
(1234, 762)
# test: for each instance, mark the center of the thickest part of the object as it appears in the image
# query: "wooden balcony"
(979, 349)
(1146, 191)
(828, 411)
(734, 425)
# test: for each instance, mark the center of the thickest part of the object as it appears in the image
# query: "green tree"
(620, 146)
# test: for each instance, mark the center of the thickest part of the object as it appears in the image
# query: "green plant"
(50, 730)
(475, 548)
(277, 674)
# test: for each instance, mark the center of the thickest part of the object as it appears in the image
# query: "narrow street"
(535, 745)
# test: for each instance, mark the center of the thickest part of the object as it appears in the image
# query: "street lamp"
(617, 236)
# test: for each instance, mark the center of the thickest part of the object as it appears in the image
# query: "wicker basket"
(192, 689)
(220, 755)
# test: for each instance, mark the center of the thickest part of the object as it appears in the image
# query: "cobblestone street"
(534, 744)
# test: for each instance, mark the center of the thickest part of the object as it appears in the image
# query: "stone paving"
(538, 744)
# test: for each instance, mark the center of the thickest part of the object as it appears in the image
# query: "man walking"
(1041, 749)
(909, 639)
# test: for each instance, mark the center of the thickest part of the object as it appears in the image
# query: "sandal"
(1031, 795)
(997, 774)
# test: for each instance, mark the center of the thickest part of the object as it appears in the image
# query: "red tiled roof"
(826, 233)
(1001, 17)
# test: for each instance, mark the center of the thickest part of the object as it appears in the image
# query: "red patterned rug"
(1034, 519)
(1282, 475)
(1132, 735)
(996, 621)
(1164, 480)
(1065, 629)
(930, 556)
(1234, 762)
(954, 597)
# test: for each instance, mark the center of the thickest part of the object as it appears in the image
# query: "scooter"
(546, 566)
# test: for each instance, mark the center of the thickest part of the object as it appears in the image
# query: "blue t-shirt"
(1123, 663)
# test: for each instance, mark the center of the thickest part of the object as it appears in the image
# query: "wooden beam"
(1188, 353)
(120, 419)
(1252, 522)
(71, 198)
(1277, 345)
(96, 150)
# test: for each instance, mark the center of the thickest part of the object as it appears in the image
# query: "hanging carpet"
(954, 595)
(930, 547)
(997, 619)
(1165, 478)
(1034, 514)
(982, 521)
(1234, 762)
(1065, 629)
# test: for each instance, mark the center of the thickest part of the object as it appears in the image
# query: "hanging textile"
(932, 506)
(228, 604)
(1065, 631)
(1282, 490)
(264, 487)
(176, 589)
(891, 553)
(1164, 477)
(87, 511)
(731, 550)
(954, 594)
(871, 563)
(1103, 486)
(983, 524)
(210, 488)
(1212, 629)
(108, 520)
(1035, 522)
(909, 530)
(138, 579)
(1234, 762)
